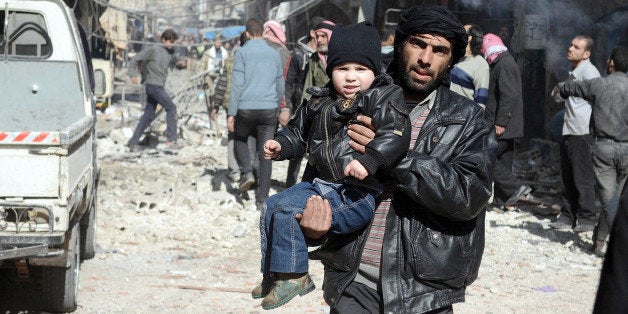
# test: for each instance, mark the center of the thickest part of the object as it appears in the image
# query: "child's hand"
(356, 170)
(272, 149)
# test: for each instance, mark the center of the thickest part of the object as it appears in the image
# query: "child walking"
(345, 178)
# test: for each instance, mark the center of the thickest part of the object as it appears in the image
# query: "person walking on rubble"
(155, 61)
(425, 242)
(609, 127)
(257, 86)
(579, 210)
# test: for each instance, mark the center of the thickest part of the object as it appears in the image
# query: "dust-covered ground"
(173, 236)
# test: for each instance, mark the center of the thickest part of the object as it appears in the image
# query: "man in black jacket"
(505, 104)
(425, 243)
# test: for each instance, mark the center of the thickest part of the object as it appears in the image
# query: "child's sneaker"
(262, 289)
(287, 287)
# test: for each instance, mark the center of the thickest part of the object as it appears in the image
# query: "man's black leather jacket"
(320, 129)
(434, 236)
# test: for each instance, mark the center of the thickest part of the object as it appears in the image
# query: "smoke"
(559, 20)
(618, 20)
(566, 20)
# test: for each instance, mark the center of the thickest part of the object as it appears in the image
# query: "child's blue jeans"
(282, 243)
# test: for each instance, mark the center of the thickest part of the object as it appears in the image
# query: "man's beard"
(419, 89)
(322, 49)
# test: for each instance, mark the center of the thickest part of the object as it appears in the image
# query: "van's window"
(24, 35)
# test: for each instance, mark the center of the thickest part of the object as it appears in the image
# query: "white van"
(48, 166)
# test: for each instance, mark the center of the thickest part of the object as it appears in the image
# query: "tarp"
(227, 32)
(233, 31)
(191, 30)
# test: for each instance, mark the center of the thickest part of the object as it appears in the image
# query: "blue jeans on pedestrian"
(156, 94)
(283, 245)
(610, 165)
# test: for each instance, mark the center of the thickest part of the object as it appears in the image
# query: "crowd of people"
(410, 135)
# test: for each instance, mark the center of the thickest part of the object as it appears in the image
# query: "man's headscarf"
(432, 20)
(492, 47)
(326, 27)
(274, 32)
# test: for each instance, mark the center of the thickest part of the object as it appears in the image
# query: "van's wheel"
(60, 284)
(88, 231)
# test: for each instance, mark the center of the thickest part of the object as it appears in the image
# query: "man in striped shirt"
(425, 243)
(470, 77)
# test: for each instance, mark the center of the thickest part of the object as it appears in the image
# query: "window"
(25, 35)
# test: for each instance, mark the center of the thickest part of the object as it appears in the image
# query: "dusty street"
(173, 237)
(170, 241)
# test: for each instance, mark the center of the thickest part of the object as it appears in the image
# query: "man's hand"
(283, 118)
(230, 123)
(316, 218)
(360, 134)
(272, 149)
(499, 130)
(356, 170)
(135, 80)
(555, 91)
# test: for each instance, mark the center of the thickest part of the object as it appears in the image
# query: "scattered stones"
(175, 236)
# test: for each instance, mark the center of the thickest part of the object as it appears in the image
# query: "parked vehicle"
(48, 165)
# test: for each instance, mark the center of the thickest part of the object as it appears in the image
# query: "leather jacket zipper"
(327, 146)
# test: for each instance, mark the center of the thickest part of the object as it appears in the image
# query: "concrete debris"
(184, 216)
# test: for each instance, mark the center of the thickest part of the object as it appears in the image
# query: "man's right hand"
(272, 149)
(361, 134)
(316, 218)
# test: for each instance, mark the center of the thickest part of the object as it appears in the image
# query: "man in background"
(579, 211)
(470, 77)
(609, 127)
(316, 75)
(295, 79)
(387, 36)
(257, 87)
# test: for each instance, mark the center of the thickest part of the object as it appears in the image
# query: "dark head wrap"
(433, 20)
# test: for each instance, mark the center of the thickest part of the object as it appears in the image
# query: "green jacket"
(316, 75)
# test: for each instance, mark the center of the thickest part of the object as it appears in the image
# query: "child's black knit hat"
(355, 43)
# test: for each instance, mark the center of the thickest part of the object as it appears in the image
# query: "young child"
(344, 177)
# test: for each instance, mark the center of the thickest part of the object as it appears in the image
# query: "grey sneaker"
(246, 182)
(136, 148)
(560, 224)
(172, 146)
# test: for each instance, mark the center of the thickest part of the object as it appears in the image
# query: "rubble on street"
(174, 235)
